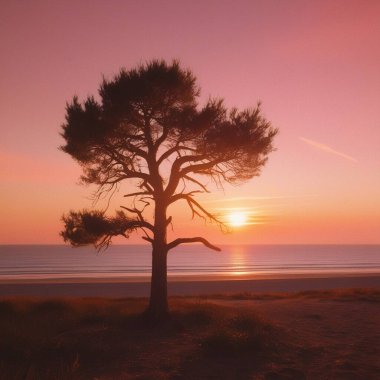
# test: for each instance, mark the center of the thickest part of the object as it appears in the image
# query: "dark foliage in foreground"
(314, 335)
(103, 338)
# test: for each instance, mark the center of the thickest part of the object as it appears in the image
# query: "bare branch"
(199, 168)
(175, 149)
(139, 214)
(147, 238)
(131, 148)
(177, 172)
(162, 138)
(197, 182)
(197, 239)
(138, 193)
(197, 208)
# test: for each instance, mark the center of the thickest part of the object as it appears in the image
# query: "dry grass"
(54, 338)
(105, 338)
(357, 294)
(110, 339)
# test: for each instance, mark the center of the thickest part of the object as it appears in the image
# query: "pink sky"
(313, 64)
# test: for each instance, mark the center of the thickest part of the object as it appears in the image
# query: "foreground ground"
(312, 335)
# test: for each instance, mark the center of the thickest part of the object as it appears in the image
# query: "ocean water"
(58, 261)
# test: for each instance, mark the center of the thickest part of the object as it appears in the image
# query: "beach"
(266, 326)
(118, 287)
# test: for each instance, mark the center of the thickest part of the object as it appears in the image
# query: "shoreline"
(184, 278)
(191, 285)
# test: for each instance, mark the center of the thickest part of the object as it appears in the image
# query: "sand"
(191, 285)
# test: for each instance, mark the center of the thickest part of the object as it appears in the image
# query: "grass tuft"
(242, 333)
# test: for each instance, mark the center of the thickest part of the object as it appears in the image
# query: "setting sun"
(237, 219)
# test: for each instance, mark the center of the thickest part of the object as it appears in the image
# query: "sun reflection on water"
(238, 261)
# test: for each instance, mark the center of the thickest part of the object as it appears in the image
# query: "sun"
(237, 219)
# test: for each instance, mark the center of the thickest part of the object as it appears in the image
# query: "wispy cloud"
(327, 149)
(259, 198)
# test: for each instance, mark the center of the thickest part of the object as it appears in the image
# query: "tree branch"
(173, 150)
(147, 238)
(139, 213)
(162, 138)
(197, 239)
(197, 168)
(201, 185)
(137, 194)
(177, 172)
(196, 208)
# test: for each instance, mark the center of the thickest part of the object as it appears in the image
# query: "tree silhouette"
(148, 128)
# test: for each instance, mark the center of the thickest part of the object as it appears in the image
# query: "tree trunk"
(158, 303)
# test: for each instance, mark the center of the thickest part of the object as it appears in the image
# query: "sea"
(131, 261)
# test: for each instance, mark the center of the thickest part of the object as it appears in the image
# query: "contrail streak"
(328, 149)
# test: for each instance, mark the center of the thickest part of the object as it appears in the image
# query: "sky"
(314, 65)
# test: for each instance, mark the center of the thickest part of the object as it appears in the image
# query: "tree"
(147, 118)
